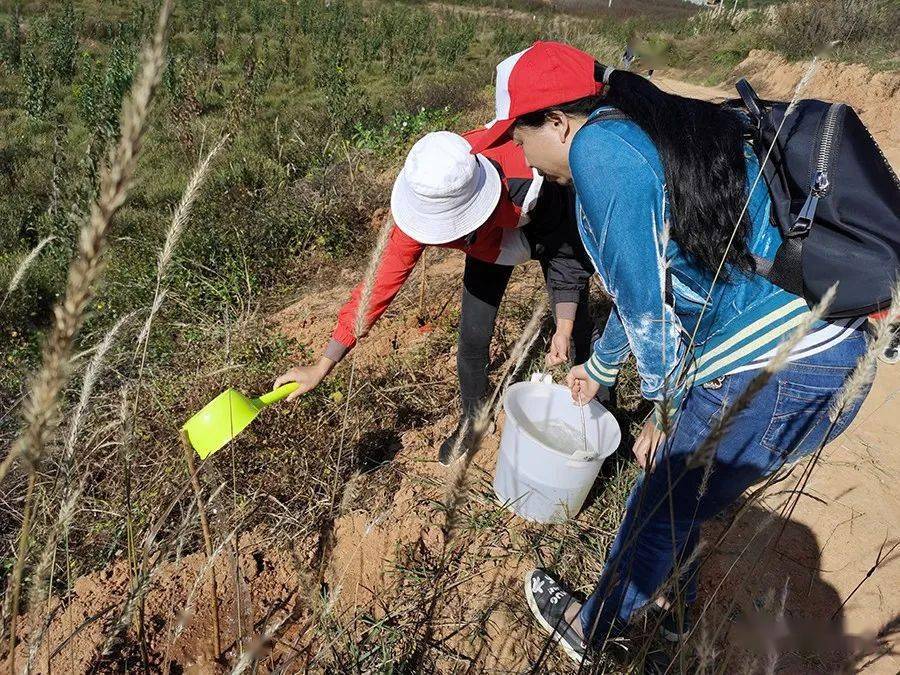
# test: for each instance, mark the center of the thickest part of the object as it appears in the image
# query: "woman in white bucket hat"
(500, 213)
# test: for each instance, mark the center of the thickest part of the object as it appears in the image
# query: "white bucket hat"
(444, 192)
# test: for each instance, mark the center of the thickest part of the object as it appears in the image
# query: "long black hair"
(700, 145)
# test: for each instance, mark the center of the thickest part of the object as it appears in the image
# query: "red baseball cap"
(544, 75)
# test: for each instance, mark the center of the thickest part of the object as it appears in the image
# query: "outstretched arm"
(400, 257)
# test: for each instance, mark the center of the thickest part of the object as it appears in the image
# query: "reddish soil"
(177, 609)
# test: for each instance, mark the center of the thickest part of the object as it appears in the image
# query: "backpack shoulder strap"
(751, 101)
(785, 270)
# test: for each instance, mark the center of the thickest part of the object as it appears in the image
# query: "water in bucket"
(550, 454)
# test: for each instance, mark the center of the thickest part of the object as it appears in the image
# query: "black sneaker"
(891, 353)
(458, 443)
(548, 602)
(674, 630)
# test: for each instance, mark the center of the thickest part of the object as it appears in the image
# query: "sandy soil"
(850, 509)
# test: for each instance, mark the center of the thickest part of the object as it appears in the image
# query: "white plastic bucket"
(546, 465)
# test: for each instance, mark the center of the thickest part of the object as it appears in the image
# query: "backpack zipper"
(820, 184)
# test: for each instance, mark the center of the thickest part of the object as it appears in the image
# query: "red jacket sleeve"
(400, 257)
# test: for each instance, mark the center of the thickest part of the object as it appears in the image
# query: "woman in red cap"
(673, 220)
(494, 209)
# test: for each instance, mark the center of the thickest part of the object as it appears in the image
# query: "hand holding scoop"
(227, 415)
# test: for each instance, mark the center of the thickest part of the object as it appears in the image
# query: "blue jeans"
(786, 420)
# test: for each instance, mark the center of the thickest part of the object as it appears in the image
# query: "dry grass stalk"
(250, 657)
(115, 183)
(91, 373)
(881, 559)
(771, 646)
(207, 543)
(856, 387)
(185, 612)
(423, 285)
(143, 336)
(361, 324)
(176, 229)
(173, 235)
(482, 420)
(141, 582)
(706, 652)
(40, 593)
(456, 486)
(801, 86)
(38, 601)
(27, 261)
(183, 210)
(762, 527)
(662, 263)
(706, 452)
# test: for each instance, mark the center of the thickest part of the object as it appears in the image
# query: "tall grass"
(804, 28)
(22, 269)
(41, 408)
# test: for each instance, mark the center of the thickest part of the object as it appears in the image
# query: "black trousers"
(483, 287)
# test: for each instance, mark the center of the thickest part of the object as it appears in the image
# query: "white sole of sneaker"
(669, 636)
(554, 635)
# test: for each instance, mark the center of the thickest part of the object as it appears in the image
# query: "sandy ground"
(850, 511)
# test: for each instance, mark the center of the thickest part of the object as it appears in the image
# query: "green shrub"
(261, 15)
(63, 42)
(13, 40)
(393, 136)
(30, 303)
(456, 38)
(415, 36)
(307, 12)
(209, 36)
(38, 100)
(335, 71)
(99, 94)
(514, 36)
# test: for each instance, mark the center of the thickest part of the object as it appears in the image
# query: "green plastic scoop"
(227, 415)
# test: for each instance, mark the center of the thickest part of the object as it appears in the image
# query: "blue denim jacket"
(622, 212)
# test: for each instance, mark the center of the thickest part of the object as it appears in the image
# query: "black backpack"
(835, 199)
